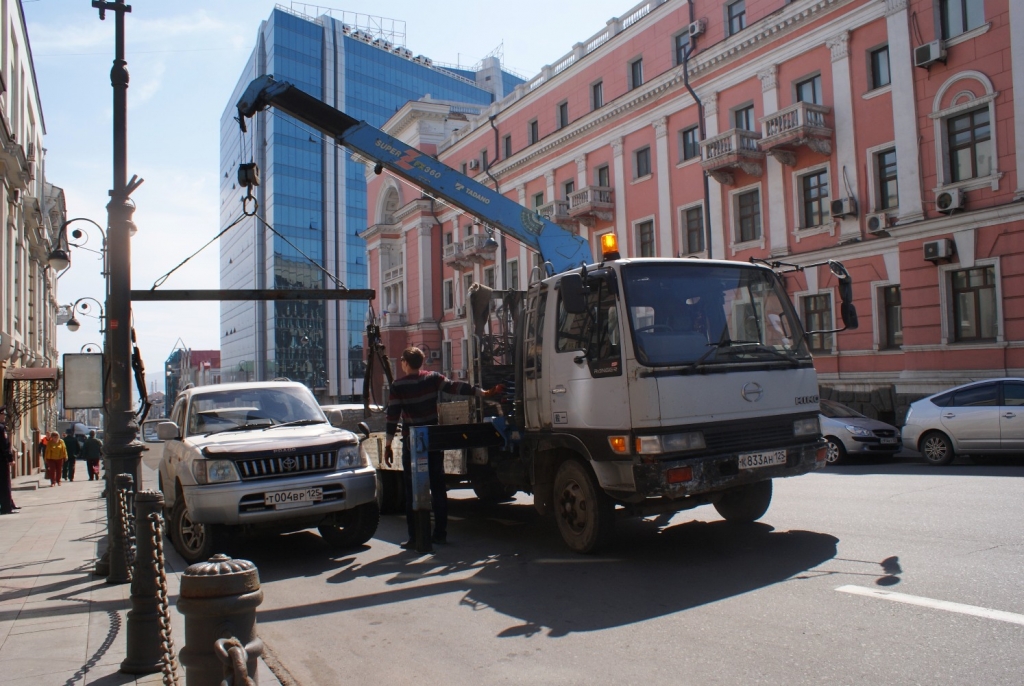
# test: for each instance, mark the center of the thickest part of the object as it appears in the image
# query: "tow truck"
(634, 386)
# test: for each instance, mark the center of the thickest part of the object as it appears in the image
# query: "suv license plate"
(282, 500)
(755, 460)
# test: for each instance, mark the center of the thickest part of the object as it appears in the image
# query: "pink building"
(877, 132)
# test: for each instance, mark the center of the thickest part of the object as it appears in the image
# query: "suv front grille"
(286, 465)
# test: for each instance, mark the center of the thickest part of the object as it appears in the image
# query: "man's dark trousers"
(73, 449)
(438, 491)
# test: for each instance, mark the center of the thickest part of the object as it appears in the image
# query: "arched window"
(964, 115)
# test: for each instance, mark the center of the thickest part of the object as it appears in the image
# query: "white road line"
(974, 610)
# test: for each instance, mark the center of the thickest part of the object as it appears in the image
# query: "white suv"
(261, 455)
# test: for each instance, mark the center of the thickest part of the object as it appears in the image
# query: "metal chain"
(234, 656)
(127, 529)
(169, 661)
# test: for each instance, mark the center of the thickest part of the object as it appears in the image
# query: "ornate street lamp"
(60, 256)
(84, 308)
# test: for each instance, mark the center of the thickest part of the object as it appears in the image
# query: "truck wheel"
(583, 511)
(389, 493)
(195, 542)
(937, 449)
(835, 451)
(493, 491)
(359, 525)
(745, 504)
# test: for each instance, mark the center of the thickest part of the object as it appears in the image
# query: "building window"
(748, 216)
(960, 16)
(568, 188)
(880, 67)
(636, 73)
(538, 199)
(489, 277)
(689, 143)
(483, 159)
(467, 282)
(508, 146)
(446, 357)
(736, 17)
(645, 239)
(532, 132)
(563, 115)
(464, 169)
(817, 317)
(693, 230)
(642, 163)
(892, 317)
(512, 274)
(679, 44)
(809, 90)
(974, 304)
(448, 294)
(814, 198)
(602, 177)
(743, 118)
(970, 145)
(597, 95)
(888, 188)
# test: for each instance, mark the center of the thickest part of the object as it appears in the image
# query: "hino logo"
(289, 464)
(752, 392)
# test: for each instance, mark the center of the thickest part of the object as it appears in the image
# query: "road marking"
(974, 610)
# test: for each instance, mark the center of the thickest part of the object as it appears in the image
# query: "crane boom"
(563, 249)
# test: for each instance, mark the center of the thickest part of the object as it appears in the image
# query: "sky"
(183, 61)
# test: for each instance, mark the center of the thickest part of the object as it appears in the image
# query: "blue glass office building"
(312, 197)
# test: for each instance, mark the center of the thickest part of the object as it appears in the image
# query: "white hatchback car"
(984, 417)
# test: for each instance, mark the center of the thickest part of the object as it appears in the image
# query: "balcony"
(479, 247)
(732, 150)
(801, 124)
(591, 203)
(556, 211)
(394, 274)
(454, 257)
(392, 319)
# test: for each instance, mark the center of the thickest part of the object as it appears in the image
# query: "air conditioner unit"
(878, 223)
(697, 28)
(435, 354)
(460, 373)
(950, 201)
(928, 54)
(460, 311)
(941, 249)
(474, 164)
(844, 207)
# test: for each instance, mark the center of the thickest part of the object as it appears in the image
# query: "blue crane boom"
(556, 245)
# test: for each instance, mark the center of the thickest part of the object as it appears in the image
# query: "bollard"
(116, 544)
(145, 645)
(219, 600)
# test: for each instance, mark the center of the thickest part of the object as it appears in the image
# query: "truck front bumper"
(242, 502)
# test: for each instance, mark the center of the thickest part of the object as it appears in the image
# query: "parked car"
(261, 456)
(848, 433)
(984, 417)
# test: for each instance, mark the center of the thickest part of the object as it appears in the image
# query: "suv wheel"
(195, 542)
(357, 526)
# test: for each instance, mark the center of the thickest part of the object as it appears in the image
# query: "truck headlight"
(669, 443)
(214, 471)
(806, 427)
(352, 457)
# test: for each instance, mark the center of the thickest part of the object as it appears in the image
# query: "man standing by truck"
(413, 399)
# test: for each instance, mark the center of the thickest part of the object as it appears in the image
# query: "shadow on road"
(509, 559)
(964, 465)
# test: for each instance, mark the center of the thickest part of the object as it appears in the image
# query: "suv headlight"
(806, 427)
(214, 471)
(352, 457)
(858, 430)
(669, 443)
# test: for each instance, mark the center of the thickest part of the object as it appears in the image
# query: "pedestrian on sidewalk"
(92, 451)
(56, 455)
(7, 505)
(74, 448)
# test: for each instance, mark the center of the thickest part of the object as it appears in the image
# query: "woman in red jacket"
(55, 455)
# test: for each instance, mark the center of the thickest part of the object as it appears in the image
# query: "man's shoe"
(440, 539)
(409, 545)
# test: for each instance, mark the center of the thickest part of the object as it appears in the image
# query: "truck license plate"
(755, 460)
(282, 500)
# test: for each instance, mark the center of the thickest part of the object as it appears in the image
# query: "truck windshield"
(690, 314)
(250, 408)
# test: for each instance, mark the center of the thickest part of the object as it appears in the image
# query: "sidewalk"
(59, 624)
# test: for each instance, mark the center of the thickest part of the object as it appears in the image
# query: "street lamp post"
(60, 255)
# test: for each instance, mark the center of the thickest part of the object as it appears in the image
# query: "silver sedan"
(848, 432)
(984, 417)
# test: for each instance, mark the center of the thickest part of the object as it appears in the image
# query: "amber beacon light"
(609, 247)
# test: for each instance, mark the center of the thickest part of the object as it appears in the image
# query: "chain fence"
(170, 658)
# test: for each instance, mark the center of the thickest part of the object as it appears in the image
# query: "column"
(904, 111)
(1017, 67)
(718, 228)
(664, 189)
(775, 196)
(581, 182)
(619, 172)
(549, 186)
(844, 179)
(424, 265)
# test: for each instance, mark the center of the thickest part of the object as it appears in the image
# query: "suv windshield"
(682, 314)
(251, 408)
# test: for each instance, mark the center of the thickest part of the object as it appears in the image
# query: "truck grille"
(758, 434)
(286, 465)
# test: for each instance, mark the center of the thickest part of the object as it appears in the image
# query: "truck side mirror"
(573, 294)
(847, 311)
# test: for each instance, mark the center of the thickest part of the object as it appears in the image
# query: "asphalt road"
(686, 600)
